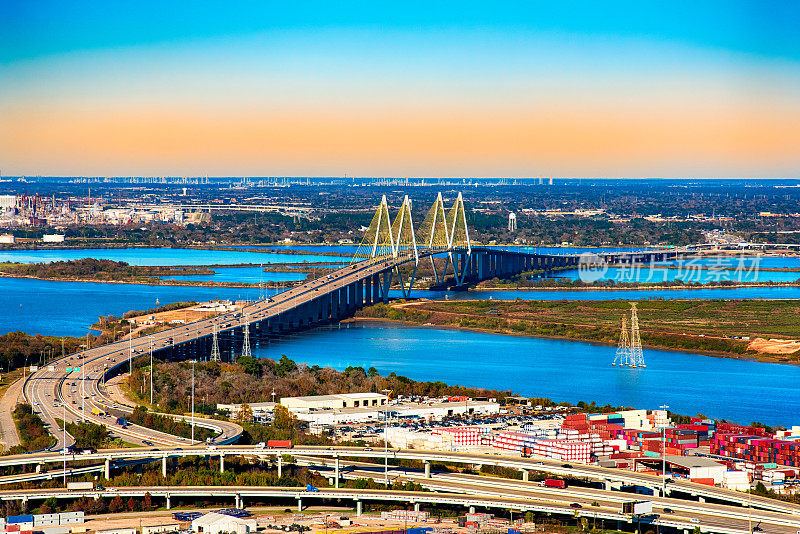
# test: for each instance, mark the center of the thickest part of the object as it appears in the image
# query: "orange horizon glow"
(421, 142)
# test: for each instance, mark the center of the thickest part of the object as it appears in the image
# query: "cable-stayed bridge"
(389, 256)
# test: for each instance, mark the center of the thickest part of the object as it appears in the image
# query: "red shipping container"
(705, 481)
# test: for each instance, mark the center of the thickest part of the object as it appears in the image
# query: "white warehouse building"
(298, 405)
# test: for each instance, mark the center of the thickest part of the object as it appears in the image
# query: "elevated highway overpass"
(609, 478)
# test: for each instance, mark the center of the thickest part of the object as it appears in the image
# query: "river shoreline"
(760, 358)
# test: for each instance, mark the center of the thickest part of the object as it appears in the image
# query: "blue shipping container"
(12, 519)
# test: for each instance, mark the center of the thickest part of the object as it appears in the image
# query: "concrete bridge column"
(368, 291)
(107, 468)
(238, 501)
(427, 469)
(336, 482)
(169, 501)
(387, 282)
(39, 467)
(376, 288)
(299, 504)
(280, 466)
(472, 509)
(359, 509)
(416, 507)
(352, 303)
(359, 294)
(164, 466)
(221, 463)
(525, 475)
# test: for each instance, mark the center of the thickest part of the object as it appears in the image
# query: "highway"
(605, 511)
(608, 476)
(712, 515)
(55, 393)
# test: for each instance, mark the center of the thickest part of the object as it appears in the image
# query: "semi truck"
(637, 507)
(555, 483)
(80, 486)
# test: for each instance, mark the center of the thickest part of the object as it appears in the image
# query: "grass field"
(695, 325)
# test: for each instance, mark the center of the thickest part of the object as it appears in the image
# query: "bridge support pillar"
(221, 463)
(107, 469)
(39, 468)
(280, 466)
(427, 469)
(416, 507)
(299, 504)
(525, 475)
(472, 509)
(164, 467)
(359, 508)
(387, 281)
(239, 501)
(337, 471)
(607, 485)
(169, 501)
(701, 499)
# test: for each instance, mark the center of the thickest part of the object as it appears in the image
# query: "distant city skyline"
(515, 89)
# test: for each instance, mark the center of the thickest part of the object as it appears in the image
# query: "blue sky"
(587, 71)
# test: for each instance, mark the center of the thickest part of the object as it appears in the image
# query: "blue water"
(251, 275)
(685, 273)
(159, 256)
(68, 308)
(626, 294)
(741, 391)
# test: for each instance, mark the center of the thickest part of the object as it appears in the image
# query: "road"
(8, 430)
(56, 393)
(514, 500)
(687, 490)
(676, 509)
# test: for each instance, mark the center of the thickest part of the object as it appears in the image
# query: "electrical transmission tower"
(623, 355)
(637, 358)
(246, 353)
(214, 345)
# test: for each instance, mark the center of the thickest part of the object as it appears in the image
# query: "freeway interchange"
(684, 506)
(54, 392)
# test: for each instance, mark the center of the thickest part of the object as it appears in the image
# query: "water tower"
(512, 222)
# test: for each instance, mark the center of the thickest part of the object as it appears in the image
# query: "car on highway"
(669, 511)
(575, 505)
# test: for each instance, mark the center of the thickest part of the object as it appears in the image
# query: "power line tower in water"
(214, 345)
(637, 357)
(623, 356)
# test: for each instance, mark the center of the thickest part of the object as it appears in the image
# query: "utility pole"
(386, 441)
(193, 362)
(664, 456)
(151, 372)
(83, 386)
